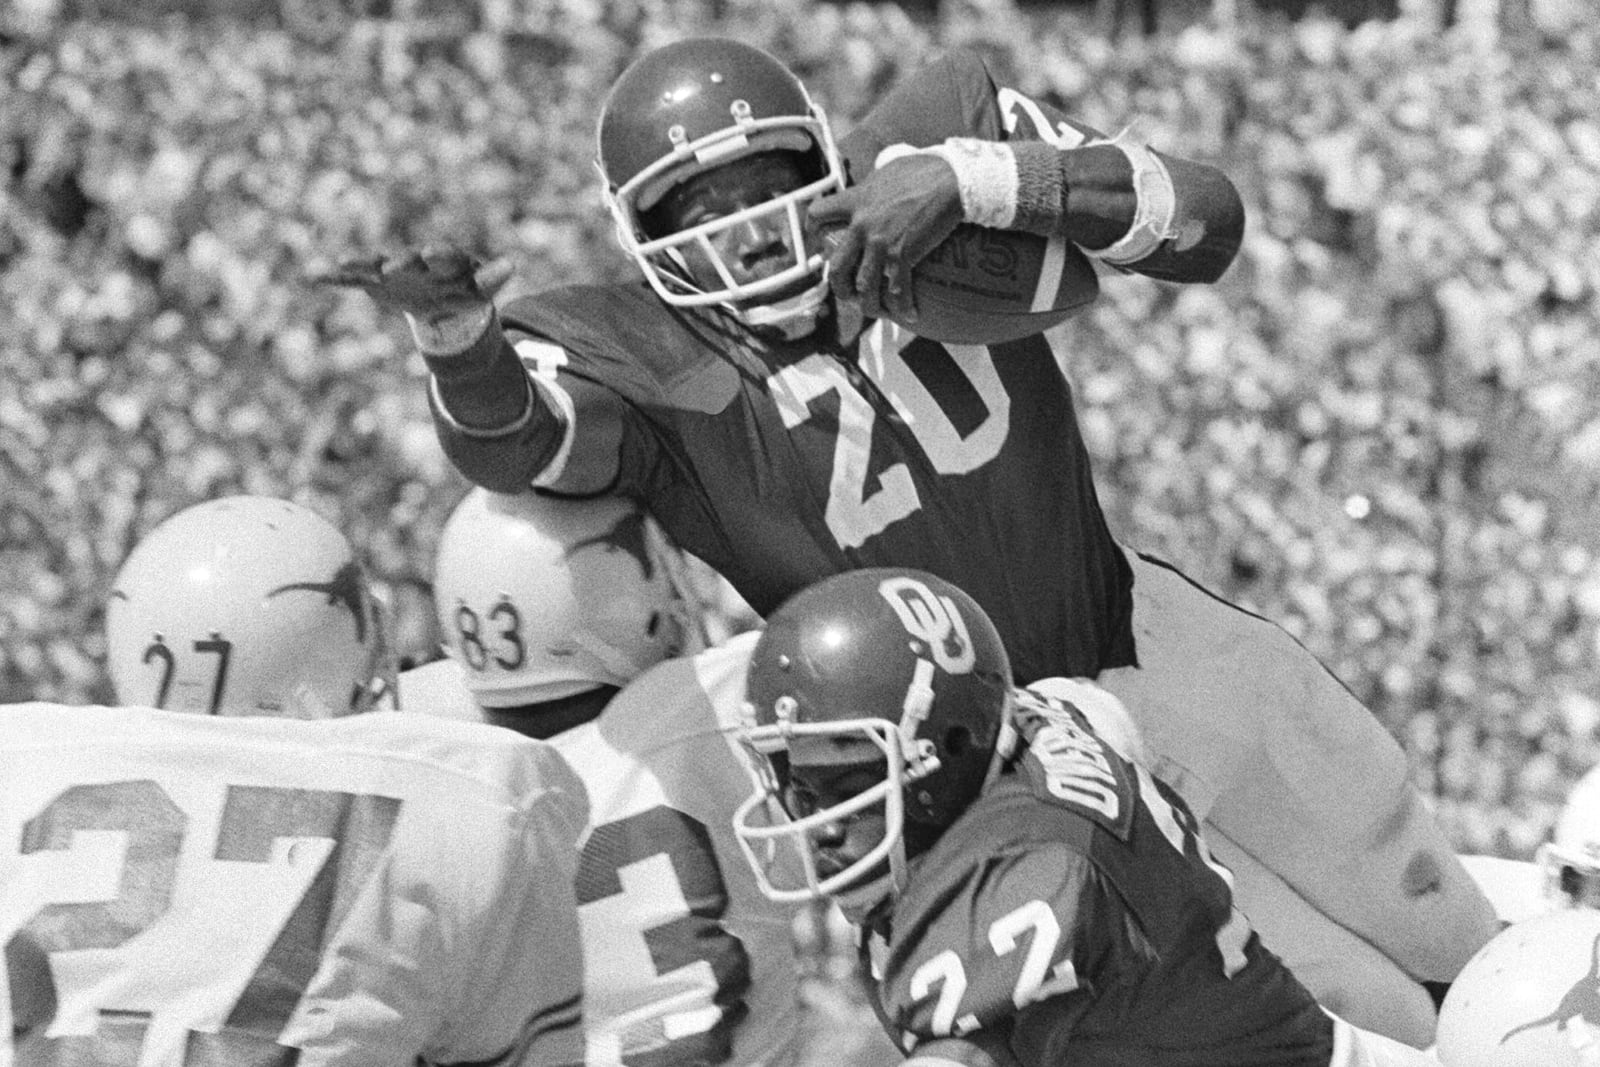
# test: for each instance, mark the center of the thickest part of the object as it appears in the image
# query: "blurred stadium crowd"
(1379, 429)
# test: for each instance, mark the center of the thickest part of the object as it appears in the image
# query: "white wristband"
(986, 173)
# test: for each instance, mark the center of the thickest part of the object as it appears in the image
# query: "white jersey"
(685, 960)
(438, 689)
(1516, 888)
(177, 889)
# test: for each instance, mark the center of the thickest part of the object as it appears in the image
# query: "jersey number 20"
(854, 514)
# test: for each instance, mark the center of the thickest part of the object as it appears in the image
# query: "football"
(984, 286)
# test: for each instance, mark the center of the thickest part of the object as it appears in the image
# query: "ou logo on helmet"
(932, 619)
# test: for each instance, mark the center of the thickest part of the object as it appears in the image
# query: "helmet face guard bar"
(1571, 876)
(767, 832)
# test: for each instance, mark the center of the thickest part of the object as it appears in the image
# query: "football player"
(1034, 895)
(736, 395)
(1531, 997)
(1570, 860)
(564, 621)
(256, 874)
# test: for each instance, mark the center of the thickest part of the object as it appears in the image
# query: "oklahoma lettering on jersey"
(782, 463)
(177, 889)
(687, 961)
(1075, 903)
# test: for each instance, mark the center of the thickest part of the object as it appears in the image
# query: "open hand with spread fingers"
(431, 284)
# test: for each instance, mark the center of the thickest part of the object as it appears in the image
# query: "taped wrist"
(1041, 188)
(1155, 206)
(482, 389)
(1007, 186)
(986, 172)
(453, 334)
(1023, 186)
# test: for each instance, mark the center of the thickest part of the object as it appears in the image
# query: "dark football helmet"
(689, 107)
(898, 658)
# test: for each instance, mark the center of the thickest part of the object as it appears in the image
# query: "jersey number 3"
(654, 876)
(259, 826)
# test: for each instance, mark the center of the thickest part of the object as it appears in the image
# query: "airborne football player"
(777, 395)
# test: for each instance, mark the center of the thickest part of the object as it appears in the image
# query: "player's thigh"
(1234, 707)
(1347, 975)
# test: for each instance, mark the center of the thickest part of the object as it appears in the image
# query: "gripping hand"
(430, 285)
(880, 229)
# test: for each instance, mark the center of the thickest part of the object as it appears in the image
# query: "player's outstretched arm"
(430, 285)
(490, 419)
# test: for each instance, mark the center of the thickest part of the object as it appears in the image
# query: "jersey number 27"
(260, 826)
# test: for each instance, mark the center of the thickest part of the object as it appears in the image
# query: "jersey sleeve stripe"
(1055, 259)
(541, 366)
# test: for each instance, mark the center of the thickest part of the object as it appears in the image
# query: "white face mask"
(664, 262)
(782, 850)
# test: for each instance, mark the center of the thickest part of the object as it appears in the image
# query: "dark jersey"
(780, 463)
(1074, 913)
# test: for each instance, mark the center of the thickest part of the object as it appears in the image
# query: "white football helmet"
(1571, 859)
(1529, 998)
(246, 605)
(543, 597)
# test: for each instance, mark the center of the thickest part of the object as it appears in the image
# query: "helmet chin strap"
(859, 901)
(794, 318)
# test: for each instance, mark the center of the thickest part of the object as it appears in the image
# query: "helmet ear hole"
(958, 740)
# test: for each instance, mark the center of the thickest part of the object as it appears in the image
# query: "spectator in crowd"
(295, 880)
(768, 404)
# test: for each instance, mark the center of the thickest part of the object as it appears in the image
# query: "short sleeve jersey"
(780, 463)
(179, 889)
(1074, 913)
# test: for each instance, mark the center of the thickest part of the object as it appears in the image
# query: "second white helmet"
(1571, 859)
(541, 597)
